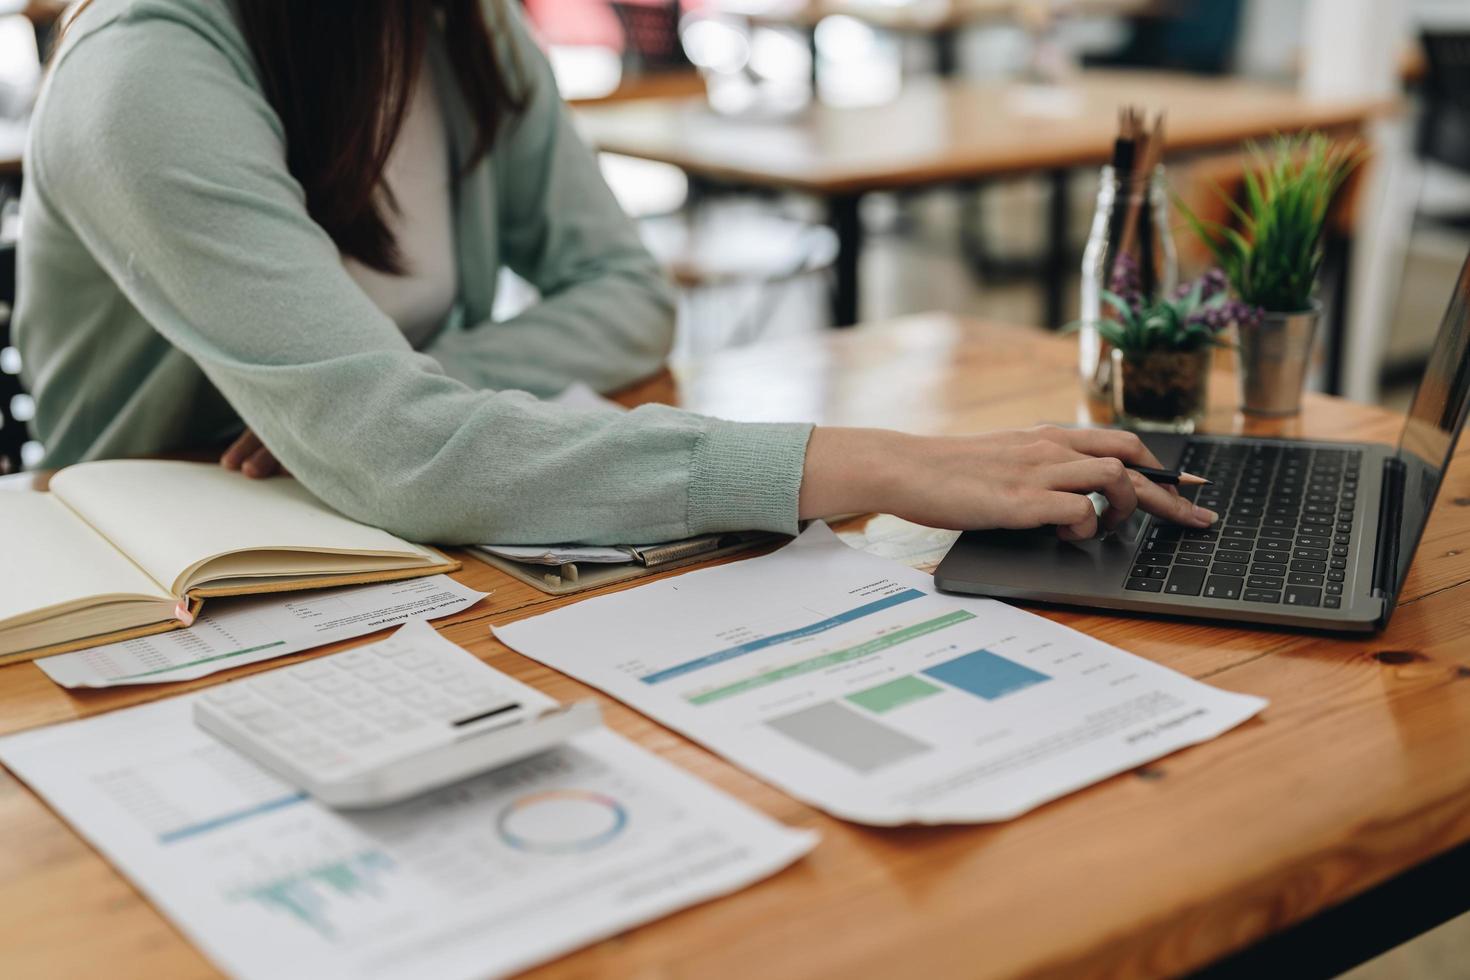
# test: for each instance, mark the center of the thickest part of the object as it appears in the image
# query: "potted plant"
(1161, 350)
(1273, 258)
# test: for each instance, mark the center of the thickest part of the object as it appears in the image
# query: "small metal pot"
(1273, 357)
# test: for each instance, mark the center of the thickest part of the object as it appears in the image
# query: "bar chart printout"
(485, 877)
(847, 681)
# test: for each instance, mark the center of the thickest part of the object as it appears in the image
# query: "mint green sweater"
(173, 288)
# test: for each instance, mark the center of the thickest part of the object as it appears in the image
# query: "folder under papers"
(569, 569)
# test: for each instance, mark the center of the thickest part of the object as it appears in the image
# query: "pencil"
(1171, 477)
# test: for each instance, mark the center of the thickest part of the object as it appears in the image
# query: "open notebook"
(124, 548)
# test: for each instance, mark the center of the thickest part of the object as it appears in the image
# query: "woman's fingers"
(1072, 513)
(240, 450)
(1106, 476)
(260, 465)
(1112, 442)
(1166, 502)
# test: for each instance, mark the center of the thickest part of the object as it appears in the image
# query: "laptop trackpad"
(1037, 561)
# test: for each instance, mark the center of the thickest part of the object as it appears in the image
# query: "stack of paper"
(232, 632)
(483, 878)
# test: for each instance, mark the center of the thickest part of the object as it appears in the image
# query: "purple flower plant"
(1191, 317)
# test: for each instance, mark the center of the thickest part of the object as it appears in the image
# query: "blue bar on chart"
(986, 675)
(821, 626)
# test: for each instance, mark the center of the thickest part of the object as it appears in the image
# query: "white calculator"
(386, 721)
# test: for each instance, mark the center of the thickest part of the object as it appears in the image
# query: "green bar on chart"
(894, 694)
(835, 657)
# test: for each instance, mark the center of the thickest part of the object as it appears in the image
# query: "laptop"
(1312, 535)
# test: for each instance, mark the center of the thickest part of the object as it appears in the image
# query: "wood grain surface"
(1359, 769)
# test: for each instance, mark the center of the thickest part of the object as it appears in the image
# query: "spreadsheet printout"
(847, 681)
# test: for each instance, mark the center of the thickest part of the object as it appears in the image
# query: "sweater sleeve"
(155, 147)
(606, 316)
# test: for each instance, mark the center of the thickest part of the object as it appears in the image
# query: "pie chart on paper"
(562, 821)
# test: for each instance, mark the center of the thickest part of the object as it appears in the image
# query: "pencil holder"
(1129, 253)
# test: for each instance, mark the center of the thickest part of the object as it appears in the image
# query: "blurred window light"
(842, 38)
(780, 56)
(855, 64)
(585, 71)
(31, 453)
(644, 187)
(20, 62)
(9, 360)
(22, 408)
(716, 45)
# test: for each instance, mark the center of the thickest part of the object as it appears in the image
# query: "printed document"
(483, 878)
(903, 541)
(845, 680)
(231, 632)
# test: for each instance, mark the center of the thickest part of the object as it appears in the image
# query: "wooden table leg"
(946, 42)
(844, 215)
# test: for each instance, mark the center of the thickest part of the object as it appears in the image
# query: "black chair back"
(1444, 131)
(13, 434)
(652, 32)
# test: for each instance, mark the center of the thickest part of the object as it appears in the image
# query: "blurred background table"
(943, 132)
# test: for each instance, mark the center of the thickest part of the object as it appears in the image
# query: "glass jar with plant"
(1161, 350)
(1273, 258)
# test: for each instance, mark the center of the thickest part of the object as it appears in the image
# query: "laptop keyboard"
(1286, 520)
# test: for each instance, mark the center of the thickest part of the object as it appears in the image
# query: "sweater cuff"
(746, 476)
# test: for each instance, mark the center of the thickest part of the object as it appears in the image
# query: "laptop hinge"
(1390, 515)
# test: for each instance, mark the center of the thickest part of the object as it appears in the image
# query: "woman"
(289, 217)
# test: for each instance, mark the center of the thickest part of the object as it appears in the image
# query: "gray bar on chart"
(847, 737)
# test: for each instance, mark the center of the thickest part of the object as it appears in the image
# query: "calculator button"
(439, 674)
(402, 722)
(284, 692)
(374, 670)
(268, 722)
(313, 670)
(353, 659)
(332, 684)
(397, 684)
(357, 695)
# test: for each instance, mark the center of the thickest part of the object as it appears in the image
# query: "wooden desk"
(1358, 770)
(945, 132)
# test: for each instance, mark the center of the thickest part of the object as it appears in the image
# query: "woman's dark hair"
(340, 74)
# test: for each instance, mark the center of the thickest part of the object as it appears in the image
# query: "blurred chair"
(735, 265)
(15, 404)
(1444, 128)
(652, 33)
(1197, 36)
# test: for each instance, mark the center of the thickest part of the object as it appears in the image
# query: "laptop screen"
(1435, 418)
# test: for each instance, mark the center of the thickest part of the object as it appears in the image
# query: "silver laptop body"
(1313, 534)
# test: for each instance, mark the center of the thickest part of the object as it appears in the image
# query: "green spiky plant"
(1273, 260)
(1191, 319)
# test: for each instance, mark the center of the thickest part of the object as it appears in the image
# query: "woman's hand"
(1012, 479)
(249, 455)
